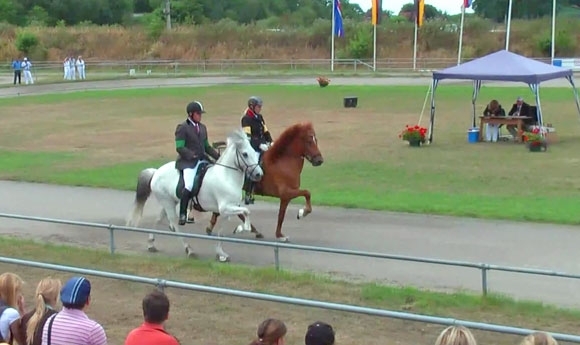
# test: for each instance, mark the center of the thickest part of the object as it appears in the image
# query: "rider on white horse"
(192, 145)
(260, 138)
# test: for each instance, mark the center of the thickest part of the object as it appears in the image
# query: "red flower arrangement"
(534, 140)
(323, 81)
(415, 135)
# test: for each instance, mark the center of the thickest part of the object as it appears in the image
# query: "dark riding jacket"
(255, 127)
(192, 145)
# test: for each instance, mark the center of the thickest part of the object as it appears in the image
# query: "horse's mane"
(285, 139)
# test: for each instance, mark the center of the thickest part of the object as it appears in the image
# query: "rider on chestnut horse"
(260, 138)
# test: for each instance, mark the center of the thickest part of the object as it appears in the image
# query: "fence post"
(161, 284)
(277, 257)
(484, 268)
(112, 238)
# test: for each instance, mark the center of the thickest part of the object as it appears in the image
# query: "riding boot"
(183, 206)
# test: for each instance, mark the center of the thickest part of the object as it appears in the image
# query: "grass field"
(103, 138)
(201, 318)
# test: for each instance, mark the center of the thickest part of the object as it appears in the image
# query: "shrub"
(26, 41)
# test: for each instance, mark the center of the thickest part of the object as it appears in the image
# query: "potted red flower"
(323, 81)
(415, 135)
(535, 140)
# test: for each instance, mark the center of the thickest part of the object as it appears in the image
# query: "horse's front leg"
(281, 214)
(227, 211)
(303, 212)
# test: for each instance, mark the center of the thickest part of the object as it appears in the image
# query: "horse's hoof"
(208, 231)
(300, 213)
(152, 249)
(239, 229)
(190, 254)
(259, 235)
(283, 239)
(222, 258)
(190, 221)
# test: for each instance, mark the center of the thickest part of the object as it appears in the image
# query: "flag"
(376, 12)
(338, 29)
(467, 3)
(419, 12)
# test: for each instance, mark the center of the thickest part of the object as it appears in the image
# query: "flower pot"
(415, 143)
(537, 148)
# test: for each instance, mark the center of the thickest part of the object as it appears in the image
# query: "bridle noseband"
(238, 164)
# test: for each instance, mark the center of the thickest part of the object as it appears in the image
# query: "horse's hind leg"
(151, 241)
(171, 212)
(212, 221)
(254, 230)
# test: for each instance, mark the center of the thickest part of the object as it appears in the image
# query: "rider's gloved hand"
(264, 147)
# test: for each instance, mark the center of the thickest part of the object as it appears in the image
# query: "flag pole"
(461, 34)
(508, 26)
(332, 40)
(375, 48)
(415, 48)
(553, 30)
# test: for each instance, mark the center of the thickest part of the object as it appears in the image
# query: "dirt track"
(494, 242)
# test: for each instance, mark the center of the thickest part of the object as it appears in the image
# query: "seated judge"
(520, 108)
(491, 129)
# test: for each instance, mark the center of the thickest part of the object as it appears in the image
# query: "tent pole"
(432, 117)
(576, 98)
(476, 88)
(539, 107)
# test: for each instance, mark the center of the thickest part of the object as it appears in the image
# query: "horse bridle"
(239, 159)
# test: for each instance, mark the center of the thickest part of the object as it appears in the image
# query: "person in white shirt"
(65, 67)
(26, 68)
(81, 67)
(71, 66)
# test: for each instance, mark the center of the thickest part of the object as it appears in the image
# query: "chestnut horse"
(282, 165)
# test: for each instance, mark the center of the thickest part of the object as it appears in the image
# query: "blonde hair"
(539, 338)
(10, 287)
(47, 290)
(456, 335)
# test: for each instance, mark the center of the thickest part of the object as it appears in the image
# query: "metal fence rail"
(229, 65)
(483, 267)
(162, 283)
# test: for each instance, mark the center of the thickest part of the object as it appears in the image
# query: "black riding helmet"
(253, 101)
(193, 107)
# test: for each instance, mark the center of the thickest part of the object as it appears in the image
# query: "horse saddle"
(197, 181)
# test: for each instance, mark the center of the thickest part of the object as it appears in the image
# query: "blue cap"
(75, 291)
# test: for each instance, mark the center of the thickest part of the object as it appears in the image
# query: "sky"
(449, 6)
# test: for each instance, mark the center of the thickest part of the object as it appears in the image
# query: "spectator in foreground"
(456, 335)
(151, 332)
(71, 326)
(46, 298)
(319, 333)
(539, 338)
(11, 308)
(270, 332)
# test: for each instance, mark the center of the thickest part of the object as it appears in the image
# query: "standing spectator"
(71, 67)
(81, 67)
(11, 308)
(65, 68)
(319, 333)
(17, 67)
(151, 332)
(71, 326)
(46, 298)
(270, 332)
(26, 66)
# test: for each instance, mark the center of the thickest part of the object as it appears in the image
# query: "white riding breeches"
(189, 175)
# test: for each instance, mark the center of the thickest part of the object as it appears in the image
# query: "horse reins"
(238, 159)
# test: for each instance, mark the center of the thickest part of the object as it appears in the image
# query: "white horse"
(220, 192)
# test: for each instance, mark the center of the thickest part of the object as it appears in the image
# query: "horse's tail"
(142, 193)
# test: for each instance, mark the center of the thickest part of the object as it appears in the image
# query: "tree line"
(286, 12)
